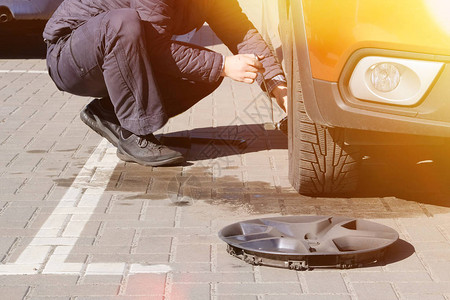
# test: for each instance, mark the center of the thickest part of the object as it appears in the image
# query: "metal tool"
(282, 124)
(271, 125)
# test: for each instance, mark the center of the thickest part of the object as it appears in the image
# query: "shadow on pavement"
(398, 251)
(414, 173)
(22, 39)
(396, 183)
(223, 141)
(391, 188)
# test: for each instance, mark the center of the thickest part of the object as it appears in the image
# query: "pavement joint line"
(49, 252)
(214, 258)
(303, 283)
(348, 285)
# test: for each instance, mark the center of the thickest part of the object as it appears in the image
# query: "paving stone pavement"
(78, 223)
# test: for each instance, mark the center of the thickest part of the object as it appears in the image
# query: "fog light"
(392, 80)
(385, 77)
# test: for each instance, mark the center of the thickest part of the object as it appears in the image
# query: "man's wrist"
(224, 58)
(278, 80)
(279, 90)
(281, 94)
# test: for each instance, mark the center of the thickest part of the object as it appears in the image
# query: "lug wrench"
(270, 125)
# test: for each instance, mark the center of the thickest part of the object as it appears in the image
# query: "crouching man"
(122, 52)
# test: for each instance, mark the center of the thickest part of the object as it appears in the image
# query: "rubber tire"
(320, 164)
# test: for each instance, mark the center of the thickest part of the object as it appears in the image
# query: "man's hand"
(280, 93)
(243, 67)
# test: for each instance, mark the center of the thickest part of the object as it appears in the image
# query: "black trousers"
(107, 56)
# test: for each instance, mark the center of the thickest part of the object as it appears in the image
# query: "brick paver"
(77, 223)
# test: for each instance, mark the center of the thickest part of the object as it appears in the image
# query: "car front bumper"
(339, 108)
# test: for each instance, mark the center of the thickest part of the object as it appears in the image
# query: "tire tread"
(320, 163)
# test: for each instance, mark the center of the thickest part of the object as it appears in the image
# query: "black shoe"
(147, 151)
(101, 120)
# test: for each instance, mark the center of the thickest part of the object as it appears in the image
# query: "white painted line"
(53, 222)
(149, 269)
(57, 265)
(24, 71)
(48, 238)
(47, 253)
(50, 241)
(33, 254)
(37, 72)
(18, 269)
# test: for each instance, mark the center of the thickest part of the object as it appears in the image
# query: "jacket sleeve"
(172, 57)
(231, 25)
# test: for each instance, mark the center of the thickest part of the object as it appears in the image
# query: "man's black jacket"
(176, 17)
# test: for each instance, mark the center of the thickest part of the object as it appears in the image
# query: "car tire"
(320, 163)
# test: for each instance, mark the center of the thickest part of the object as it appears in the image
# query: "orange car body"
(336, 29)
(327, 39)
